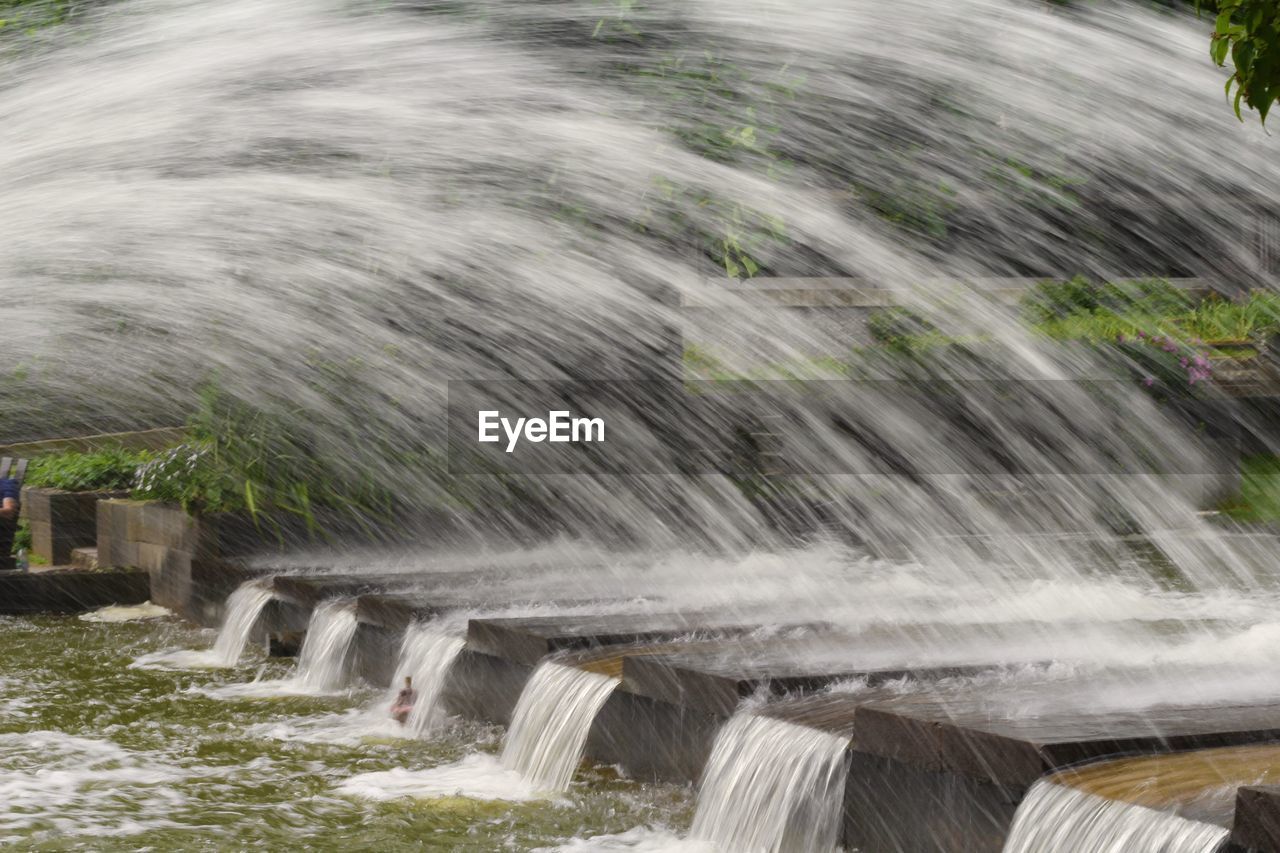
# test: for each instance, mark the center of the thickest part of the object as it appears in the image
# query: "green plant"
(1249, 32)
(238, 457)
(189, 474)
(104, 469)
(22, 536)
(1259, 497)
(897, 326)
(1081, 310)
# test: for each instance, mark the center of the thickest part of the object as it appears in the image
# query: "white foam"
(347, 728)
(126, 613)
(73, 785)
(480, 777)
(642, 839)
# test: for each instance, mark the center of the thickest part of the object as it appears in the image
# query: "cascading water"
(1059, 817)
(551, 721)
(772, 786)
(244, 606)
(323, 660)
(427, 655)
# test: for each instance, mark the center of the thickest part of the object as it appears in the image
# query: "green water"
(97, 755)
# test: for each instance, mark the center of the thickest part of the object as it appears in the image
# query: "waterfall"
(551, 721)
(244, 606)
(771, 786)
(322, 663)
(1060, 817)
(427, 656)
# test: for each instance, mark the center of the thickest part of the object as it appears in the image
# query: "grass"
(1077, 311)
(1259, 498)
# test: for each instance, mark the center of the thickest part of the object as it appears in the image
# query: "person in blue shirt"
(9, 494)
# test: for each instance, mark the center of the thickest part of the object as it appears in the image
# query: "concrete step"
(528, 640)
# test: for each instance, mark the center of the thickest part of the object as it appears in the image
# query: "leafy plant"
(1081, 310)
(1249, 32)
(189, 474)
(897, 326)
(104, 469)
(240, 458)
(22, 536)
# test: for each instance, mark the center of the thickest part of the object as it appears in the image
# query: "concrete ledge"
(1257, 819)
(70, 592)
(713, 684)
(529, 640)
(941, 734)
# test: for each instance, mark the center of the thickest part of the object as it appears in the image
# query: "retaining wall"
(62, 521)
(190, 559)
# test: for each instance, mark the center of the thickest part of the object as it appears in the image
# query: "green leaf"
(1218, 50)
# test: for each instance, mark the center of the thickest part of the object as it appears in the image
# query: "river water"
(96, 753)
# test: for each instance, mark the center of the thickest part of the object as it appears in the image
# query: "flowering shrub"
(190, 475)
(1162, 362)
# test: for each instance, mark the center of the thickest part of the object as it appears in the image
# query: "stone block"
(170, 571)
(162, 524)
(1257, 818)
(61, 521)
(85, 559)
(151, 557)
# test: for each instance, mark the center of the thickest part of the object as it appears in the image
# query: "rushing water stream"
(1059, 817)
(550, 723)
(94, 752)
(427, 655)
(324, 659)
(772, 787)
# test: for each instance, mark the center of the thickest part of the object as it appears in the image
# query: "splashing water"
(54, 778)
(551, 721)
(1059, 817)
(427, 655)
(772, 786)
(324, 660)
(244, 606)
(188, 189)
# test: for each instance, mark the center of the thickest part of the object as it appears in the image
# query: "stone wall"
(188, 558)
(61, 521)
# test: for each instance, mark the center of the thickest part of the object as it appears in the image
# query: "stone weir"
(383, 619)
(1256, 824)
(651, 740)
(390, 602)
(932, 766)
(682, 676)
(934, 771)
